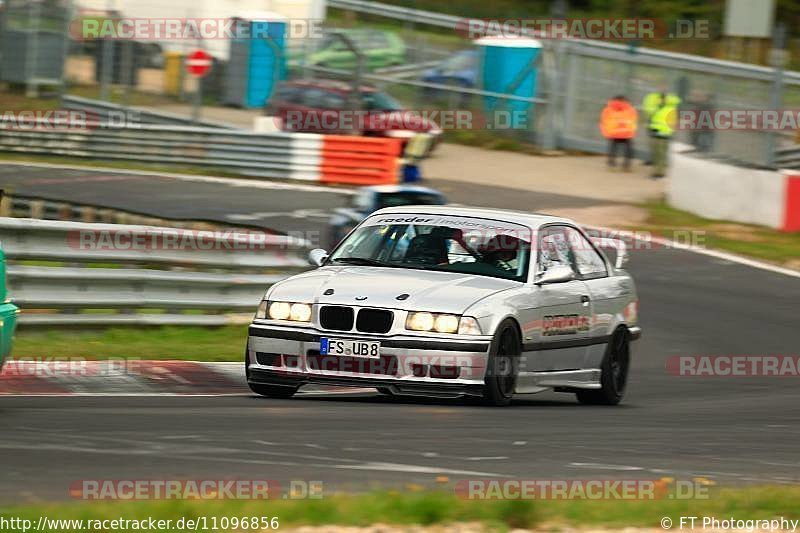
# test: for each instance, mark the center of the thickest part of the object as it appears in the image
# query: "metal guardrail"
(788, 157)
(97, 268)
(275, 155)
(114, 113)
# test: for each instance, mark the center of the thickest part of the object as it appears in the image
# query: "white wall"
(721, 191)
(220, 9)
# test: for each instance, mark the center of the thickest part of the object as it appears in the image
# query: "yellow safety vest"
(417, 146)
(664, 120)
(651, 103)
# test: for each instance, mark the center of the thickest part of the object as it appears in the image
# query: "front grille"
(336, 317)
(374, 321)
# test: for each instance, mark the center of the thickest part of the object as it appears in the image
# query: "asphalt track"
(732, 430)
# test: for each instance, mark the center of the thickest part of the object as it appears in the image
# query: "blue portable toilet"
(257, 59)
(508, 65)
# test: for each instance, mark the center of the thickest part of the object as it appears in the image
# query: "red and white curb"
(124, 377)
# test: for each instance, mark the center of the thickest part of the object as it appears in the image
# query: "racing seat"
(427, 249)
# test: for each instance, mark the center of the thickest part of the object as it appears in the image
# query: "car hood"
(444, 292)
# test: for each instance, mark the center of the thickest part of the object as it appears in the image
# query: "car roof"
(532, 220)
(402, 188)
(321, 83)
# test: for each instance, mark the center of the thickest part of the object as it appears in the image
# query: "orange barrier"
(359, 160)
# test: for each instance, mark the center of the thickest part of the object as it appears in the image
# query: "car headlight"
(300, 313)
(442, 323)
(296, 312)
(469, 326)
(420, 321)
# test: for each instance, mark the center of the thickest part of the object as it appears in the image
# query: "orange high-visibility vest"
(619, 120)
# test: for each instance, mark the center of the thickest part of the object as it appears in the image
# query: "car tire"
(503, 365)
(613, 373)
(272, 391)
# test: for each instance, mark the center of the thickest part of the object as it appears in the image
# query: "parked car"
(451, 301)
(316, 106)
(460, 69)
(380, 49)
(369, 199)
(8, 314)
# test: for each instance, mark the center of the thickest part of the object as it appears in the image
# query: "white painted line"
(727, 256)
(397, 467)
(233, 182)
(601, 466)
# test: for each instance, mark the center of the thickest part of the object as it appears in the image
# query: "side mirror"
(317, 257)
(555, 274)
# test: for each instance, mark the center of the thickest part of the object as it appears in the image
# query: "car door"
(556, 327)
(609, 294)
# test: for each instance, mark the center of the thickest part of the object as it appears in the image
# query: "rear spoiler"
(618, 245)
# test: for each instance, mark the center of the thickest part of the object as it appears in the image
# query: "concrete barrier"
(722, 191)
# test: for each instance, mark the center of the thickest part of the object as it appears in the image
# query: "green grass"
(749, 240)
(441, 507)
(162, 343)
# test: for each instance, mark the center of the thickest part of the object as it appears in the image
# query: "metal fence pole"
(108, 60)
(778, 60)
(31, 66)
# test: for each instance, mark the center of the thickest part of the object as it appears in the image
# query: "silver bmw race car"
(449, 302)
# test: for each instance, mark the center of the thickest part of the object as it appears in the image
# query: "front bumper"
(409, 364)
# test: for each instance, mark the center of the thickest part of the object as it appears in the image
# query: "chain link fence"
(420, 60)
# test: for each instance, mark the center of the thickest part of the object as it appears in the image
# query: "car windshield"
(439, 243)
(394, 199)
(378, 101)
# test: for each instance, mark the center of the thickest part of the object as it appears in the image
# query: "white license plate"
(350, 348)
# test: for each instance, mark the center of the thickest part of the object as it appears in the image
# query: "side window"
(589, 262)
(332, 100)
(554, 249)
(287, 94)
(313, 98)
(378, 40)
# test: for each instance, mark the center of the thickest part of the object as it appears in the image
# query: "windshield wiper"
(366, 261)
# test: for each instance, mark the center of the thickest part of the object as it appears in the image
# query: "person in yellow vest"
(662, 112)
(415, 151)
(618, 123)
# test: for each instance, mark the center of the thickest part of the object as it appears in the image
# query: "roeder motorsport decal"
(564, 324)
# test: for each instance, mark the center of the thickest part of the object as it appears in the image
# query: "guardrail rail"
(75, 273)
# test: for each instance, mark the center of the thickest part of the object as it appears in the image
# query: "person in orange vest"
(618, 124)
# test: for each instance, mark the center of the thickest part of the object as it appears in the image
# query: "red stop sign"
(198, 63)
